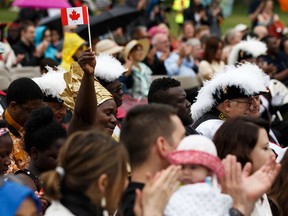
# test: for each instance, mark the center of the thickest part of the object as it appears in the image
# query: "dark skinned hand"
(87, 61)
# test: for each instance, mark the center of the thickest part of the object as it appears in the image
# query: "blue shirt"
(172, 68)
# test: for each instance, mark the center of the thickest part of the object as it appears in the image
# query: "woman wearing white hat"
(135, 52)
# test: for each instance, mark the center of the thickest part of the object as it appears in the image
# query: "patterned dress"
(19, 157)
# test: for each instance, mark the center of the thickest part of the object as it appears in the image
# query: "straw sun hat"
(109, 47)
(143, 42)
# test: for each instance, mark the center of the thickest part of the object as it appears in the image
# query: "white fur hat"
(108, 68)
(52, 83)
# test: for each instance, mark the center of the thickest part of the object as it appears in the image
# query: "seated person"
(135, 52)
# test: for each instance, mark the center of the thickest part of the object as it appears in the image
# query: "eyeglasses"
(248, 102)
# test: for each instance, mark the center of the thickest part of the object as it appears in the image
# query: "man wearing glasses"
(230, 94)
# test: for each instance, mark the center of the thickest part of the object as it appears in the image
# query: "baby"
(199, 193)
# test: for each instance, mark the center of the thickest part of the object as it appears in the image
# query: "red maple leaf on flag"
(74, 15)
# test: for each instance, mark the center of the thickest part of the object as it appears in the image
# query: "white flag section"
(74, 16)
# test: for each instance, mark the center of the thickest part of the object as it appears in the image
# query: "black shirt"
(212, 114)
(157, 67)
(128, 199)
(28, 51)
(252, 8)
(189, 130)
(280, 61)
(79, 204)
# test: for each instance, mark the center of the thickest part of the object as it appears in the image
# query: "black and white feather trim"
(247, 77)
(251, 45)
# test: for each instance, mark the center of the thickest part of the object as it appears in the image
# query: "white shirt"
(57, 209)
(208, 128)
(200, 199)
(262, 208)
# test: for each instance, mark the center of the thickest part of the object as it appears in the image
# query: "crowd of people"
(110, 129)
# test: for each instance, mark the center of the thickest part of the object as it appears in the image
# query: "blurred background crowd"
(183, 92)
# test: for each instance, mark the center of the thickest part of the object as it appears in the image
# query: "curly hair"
(23, 90)
(41, 130)
(158, 89)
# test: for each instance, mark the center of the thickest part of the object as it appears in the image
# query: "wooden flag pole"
(89, 32)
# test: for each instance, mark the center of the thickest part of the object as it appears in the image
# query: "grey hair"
(193, 42)
(230, 34)
(155, 39)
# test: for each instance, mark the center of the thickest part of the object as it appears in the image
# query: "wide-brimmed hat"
(198, 150)
(109, 47)
(241, 27)
(143, 42)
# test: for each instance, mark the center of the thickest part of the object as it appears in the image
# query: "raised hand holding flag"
(76, 16)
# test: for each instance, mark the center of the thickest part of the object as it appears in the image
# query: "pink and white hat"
(198, 149)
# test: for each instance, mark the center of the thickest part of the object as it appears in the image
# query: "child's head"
(198, 157)
(193, 173)
(6, 145)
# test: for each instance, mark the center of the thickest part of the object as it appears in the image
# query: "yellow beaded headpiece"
(73, 81)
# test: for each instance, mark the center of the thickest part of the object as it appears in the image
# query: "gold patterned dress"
(19, 157)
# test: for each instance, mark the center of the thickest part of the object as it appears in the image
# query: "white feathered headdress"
(251, 46)
(247, 77)
(108, 68)
(52, 83)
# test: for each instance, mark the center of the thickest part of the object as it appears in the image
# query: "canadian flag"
(74, 16)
